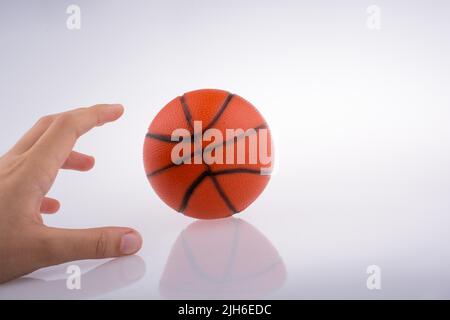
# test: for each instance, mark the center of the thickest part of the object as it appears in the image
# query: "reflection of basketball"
(201, 189)
(222, 259)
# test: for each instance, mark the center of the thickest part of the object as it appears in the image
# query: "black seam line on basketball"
(262, 126)
(167, 138)
(187, 113)
(215, 173)
(220, 112)
(220, 144)
(236, 170)
(205, 174)
(151, 174)
(216, 183)
(216, 117)
(191, 190)
(161, 137)
(223, 195)
(221, 192)
(188, 116)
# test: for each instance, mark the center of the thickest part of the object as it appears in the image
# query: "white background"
(360, 119)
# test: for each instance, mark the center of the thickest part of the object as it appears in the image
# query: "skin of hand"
(27, 173)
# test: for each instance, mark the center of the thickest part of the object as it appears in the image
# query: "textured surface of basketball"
(201, 190)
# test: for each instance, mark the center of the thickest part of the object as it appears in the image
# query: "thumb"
(64, 245)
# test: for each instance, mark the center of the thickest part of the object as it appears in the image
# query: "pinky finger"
(49, 205)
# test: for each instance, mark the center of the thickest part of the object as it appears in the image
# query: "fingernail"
(130, 243)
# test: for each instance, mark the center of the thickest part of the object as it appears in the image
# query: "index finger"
(55, 145)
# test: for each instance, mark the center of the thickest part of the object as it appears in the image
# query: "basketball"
(208, 154)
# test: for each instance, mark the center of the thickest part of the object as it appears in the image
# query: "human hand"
(27, 173)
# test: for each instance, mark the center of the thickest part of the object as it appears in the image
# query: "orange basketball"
(208, 154)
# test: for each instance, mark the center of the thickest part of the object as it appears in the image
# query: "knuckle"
(78, 110)
(45, 120)
(101, 247)
(66, 121)
(70, 122)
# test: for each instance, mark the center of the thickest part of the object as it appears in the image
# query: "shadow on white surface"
(110, 276)
(222, 259)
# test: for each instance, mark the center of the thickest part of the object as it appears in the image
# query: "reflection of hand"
(105, 278)
(27, 172)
